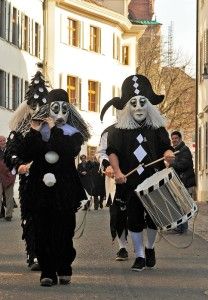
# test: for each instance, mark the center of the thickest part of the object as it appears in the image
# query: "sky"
(183, 15)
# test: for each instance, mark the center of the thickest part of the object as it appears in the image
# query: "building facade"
(202, 101)
(21, 47)
(89, 50)
(88, 47)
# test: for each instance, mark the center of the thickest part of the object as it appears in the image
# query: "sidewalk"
(201, 221)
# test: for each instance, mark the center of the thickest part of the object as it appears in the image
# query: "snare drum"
(166, 199)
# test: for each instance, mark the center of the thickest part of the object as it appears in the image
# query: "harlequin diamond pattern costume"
(138, 137)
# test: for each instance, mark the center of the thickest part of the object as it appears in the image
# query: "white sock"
(122, 242)
(137, 240)
(151, 237)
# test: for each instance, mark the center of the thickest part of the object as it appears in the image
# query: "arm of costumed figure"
(110, 186)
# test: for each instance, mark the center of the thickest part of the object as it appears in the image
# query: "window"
(26, 87)
(91, 151)
(95, 39)
(73, 89)
(15, 29)
(73, 33)
(125, 55)
(3, 19)
(15, 92)
(93, 96)
(2, 88)
(200, 149)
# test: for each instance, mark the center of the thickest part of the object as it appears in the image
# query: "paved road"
(180, 273)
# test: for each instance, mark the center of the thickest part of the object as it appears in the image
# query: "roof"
(144, 22)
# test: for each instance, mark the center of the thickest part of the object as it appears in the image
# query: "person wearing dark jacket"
(183, 165)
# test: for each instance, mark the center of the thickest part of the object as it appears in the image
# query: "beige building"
(21, 47)
(89, 50)
(88, 47)
(202, 101)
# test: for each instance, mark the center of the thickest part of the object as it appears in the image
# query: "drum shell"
(166, 199)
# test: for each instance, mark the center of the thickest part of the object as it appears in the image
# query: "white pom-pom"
(51, 157)
(13, 171)
(44, 100)
(40, 89)
(36, 96)
(49, 179)
(36, 81)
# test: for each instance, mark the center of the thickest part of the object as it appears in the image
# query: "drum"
(166, 199)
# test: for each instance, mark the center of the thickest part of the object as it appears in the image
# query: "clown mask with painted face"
(59, 111)
(58, 106)
(138, 108)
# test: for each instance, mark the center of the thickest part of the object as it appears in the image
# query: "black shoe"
(122, 255)
(150, 258)
(46, 282)
(139, 264)
(35, 267)
(64, 280)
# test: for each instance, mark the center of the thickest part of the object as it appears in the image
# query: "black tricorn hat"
(57, 95)
(133, 85)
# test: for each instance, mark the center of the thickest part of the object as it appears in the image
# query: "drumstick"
(147, 165)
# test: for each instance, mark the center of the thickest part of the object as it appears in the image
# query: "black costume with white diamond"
(135, 146)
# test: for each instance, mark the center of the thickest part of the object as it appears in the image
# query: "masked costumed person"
(54, 189)
(138, 137)
(20, 125)
(117, 207)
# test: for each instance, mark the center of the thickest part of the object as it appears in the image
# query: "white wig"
(154, 118)
(20, 118)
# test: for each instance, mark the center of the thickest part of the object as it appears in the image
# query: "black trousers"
(54, 233)
(137, 216)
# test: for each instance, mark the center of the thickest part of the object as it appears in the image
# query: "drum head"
(156, 180)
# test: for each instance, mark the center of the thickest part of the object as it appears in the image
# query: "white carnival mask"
(59, 111)
(138, 108)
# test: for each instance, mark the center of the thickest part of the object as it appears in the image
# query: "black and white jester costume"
(20, 125)
(53, 188)
(138, 137)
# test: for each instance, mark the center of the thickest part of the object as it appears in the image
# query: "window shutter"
(99, 97)
(63, 81)
(64, 30)
(79, 94)
(86, 37)
(8, 21)
(206, 53)
(79, 34)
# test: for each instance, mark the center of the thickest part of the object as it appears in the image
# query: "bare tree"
(169, 77)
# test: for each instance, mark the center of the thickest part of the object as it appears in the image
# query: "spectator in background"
(7, 181)
(83, 169)
(97, 183)
(183, 165)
